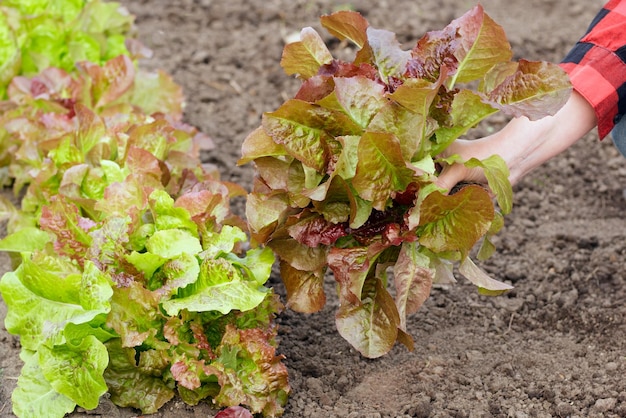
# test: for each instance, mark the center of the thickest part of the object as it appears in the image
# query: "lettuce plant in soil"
(346, 170)
(38, 34)
(132, 275)
(62, 132)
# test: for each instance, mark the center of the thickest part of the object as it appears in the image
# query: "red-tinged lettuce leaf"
(132, 386)
(143, 163)
(110, 81)
(381, 169)
(497, 75)
(497, 174)
(347, 25)
(345, 165)
(455, 222)
(305, 290)
(91, 129)
(350, 266)
(135, 315)
(206, 199)
(468, 109)
(263, 212)
(280, 174)
(62, 219)
(335, 209)
(412, 129)
(252, 372)
(234, 412)
(155, 137)
(313, 230)
(53, 83)
(157, 92)
(388, 57)
(359, 97)
(299, 256)
(535, 90)
(486, 285)
(304, 129)
(259, 144)
(317, 87)
(352, 26)
(306, 56)
(481, 44)
(187, 372)
(371, 326)
(123, 198)
(413, 279)
(433, 57)
(417, 95)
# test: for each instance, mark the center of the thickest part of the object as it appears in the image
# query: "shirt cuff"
(597, 76)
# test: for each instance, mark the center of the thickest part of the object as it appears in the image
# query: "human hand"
(522, 143)
(453, 174)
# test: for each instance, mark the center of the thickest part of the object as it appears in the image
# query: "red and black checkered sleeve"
(597, 65)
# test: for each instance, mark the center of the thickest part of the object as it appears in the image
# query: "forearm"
(526, 144)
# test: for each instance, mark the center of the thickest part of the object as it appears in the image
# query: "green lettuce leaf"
(40, 305)
(35, 397)
(455, 222)
(76, 371)
(10, 56)
(28, 239)
(133, 386)
(220, 287)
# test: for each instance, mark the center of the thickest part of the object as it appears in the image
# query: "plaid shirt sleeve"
(597, 65)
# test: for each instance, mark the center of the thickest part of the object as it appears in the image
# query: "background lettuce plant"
(346, 168)
(38, 34)
(132, 277)
(61, 132)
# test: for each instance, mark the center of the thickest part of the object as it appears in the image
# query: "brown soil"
(554, 346)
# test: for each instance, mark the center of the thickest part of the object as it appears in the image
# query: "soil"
(554, 346)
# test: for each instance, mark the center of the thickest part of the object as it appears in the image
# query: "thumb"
(450, 176)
